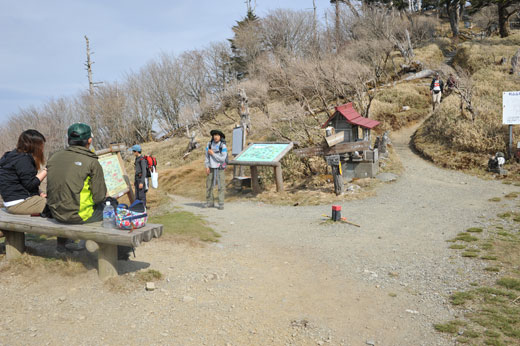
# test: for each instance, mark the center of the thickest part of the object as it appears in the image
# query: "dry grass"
(36, 265)
(388, 105)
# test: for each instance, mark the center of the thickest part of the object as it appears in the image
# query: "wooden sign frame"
(116, 149)
(254, 166)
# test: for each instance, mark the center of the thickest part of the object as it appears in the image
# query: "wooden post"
(107, 261)
(254, 179)
(131, 195)
(14, 244)
(279, 178)
(511, 155)
(91, 246)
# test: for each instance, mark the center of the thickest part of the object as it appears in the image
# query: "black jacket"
(441, 84)
(18, 176)
(140, 169)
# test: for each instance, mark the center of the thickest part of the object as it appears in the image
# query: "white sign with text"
(511, 108)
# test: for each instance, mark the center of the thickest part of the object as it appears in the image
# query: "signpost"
(511, 114)
(263, 154)
(116, 179)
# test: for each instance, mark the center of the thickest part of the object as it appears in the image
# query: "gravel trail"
(279, 276)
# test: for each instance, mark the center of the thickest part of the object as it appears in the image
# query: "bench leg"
(14, 244)
(107, 261)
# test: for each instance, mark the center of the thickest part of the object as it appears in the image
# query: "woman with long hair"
(19, 177)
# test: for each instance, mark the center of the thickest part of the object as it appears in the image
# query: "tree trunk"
(452, 7)
(336, 29)
(503, 19)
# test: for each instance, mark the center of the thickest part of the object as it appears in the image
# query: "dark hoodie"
(18, 176)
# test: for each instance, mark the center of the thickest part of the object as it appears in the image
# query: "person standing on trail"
(436, 89)
(141, 173)
(215, 163)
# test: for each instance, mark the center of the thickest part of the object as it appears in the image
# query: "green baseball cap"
(79, 131)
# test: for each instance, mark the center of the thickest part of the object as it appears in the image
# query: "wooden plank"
(14, 244)
(107, 261)
(36, 225)
(335, 138)
(337, 149)
(254, 179)
(279, 178)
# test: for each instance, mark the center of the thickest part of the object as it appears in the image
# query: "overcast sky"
(42, 48)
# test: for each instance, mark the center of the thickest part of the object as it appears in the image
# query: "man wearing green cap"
(76, 189)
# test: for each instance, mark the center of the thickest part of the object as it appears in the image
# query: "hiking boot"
(221, 207)
(209, 205)
(62, 251)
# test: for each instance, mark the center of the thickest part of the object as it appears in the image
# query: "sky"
(42, 47)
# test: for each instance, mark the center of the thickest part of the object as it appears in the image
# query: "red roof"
(352, 117)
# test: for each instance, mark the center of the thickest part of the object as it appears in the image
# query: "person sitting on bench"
(19, 177)
(76, 185)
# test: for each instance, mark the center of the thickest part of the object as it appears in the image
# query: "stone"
(386, 177)
(150, 286)
(406, 108)
(371, 342)
(187, 299)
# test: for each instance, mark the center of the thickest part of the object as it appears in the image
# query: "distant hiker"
(141, 173)
(436, 89)
(19, 177)
(215, 163)
(76, 185)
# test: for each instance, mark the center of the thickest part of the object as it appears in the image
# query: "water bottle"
(108, 216)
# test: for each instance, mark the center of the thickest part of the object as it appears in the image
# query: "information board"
(114, 175)
(264, 152)
(511, 108)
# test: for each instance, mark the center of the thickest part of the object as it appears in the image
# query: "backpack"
(222, 142)
(151, 163)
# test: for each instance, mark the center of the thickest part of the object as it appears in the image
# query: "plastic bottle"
(108, 216)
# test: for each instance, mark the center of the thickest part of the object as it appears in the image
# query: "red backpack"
(151, 164)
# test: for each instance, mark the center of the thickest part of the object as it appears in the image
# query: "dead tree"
(91, 84)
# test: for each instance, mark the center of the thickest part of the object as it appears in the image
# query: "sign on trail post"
(511, 113)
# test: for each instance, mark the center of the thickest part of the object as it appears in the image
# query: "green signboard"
(263, 152)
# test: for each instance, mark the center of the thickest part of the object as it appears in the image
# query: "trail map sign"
(263, 153)
(511, 108)
(114, 175)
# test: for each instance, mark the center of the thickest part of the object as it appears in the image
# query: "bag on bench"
(131, 217)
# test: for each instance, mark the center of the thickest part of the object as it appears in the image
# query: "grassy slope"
(454, 140)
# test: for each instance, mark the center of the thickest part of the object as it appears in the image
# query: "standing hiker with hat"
(141, 180)
(215, 163)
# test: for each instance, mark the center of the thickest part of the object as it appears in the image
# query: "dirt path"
(279, 276)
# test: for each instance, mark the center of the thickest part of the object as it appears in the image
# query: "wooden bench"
(103, 240)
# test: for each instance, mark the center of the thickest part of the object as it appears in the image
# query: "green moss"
(451, 327)
(486, 246)
(489, 257)
(494, 199)
(510, 283)
(469, 254)
(149, 275)
(457, 246)
(186, 224)
(474, 230)
(504, 215)
(459, 298)
(511, 195)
